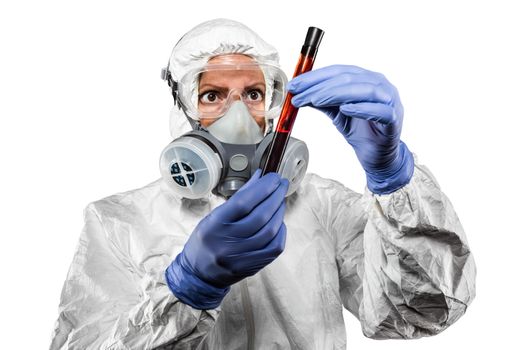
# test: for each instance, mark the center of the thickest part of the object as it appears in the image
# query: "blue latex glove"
(366, 109)
(234, 241)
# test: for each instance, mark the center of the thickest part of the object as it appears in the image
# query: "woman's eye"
(209, 97)
(255, 95)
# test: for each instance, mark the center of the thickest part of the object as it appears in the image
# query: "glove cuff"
(389, 181)
(190, 289)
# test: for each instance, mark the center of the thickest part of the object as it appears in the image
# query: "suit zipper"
(248, 314)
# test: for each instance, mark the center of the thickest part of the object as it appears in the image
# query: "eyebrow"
(257, 85)
(213, 87)
(223, 88)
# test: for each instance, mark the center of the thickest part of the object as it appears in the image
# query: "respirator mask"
(230, 104)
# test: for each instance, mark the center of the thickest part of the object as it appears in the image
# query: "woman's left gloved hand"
(366, 109)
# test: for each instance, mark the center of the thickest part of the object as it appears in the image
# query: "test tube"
(289, 112)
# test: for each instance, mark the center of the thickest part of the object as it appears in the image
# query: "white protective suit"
(399, 262)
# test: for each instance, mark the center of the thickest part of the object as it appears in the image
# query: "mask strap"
(165, 75)
(269, 127)
(195, 125)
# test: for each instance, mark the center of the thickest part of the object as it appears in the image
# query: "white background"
(84, 114)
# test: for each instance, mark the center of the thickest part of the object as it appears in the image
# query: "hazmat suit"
(399, 262)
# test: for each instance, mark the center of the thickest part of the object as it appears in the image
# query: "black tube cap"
(313, 37)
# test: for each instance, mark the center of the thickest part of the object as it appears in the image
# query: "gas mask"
(230, 104)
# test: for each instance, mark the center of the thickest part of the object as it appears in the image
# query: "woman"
(271, 266)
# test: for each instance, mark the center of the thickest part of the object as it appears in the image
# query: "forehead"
(250, 74)
(234, 58)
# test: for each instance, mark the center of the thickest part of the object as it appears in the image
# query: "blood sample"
(289, 112)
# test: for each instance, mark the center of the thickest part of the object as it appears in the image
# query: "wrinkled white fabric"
(216, 37)
(179, 125)
(399, 262)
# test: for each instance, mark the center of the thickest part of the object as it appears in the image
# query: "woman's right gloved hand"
(236, 240)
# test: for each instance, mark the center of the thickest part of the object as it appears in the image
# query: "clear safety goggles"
(208, 92)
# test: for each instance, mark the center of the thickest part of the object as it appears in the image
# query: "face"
(216, 85)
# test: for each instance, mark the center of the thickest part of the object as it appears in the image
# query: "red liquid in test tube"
(289, 112)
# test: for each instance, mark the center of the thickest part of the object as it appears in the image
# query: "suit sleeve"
(108, 303)
(405, 267)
